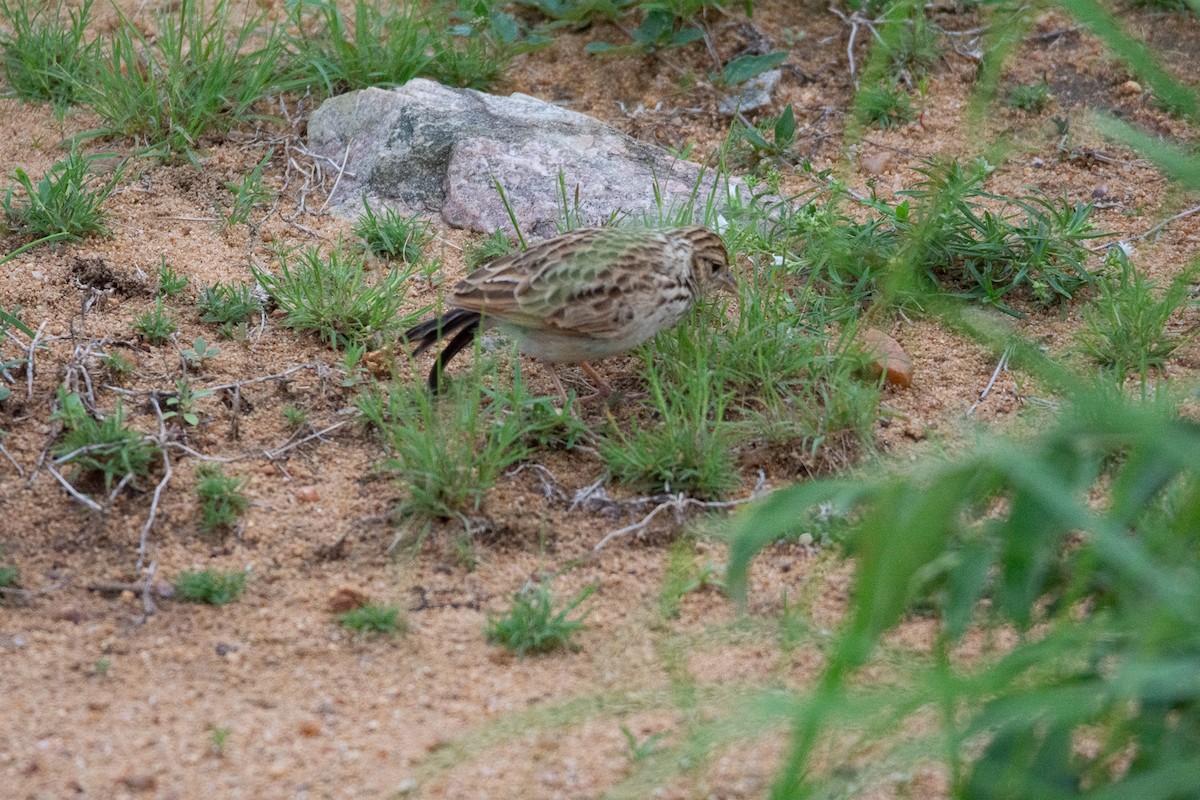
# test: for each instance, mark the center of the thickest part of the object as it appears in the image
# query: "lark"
(581, 296)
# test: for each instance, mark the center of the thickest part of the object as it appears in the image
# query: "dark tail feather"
(464, 337)
(429, 332)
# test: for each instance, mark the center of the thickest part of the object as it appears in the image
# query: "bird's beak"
(726, 280)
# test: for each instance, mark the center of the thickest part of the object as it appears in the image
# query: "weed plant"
(200, 75)
(1111, 589)
(104, 448)
(43, 57)
(222, 500)
(332, 297)
(1125, 328)
(64, 204)
(157, 326)
(228, 304)
(210, 586)
(170, 282)
(392, 235)
(372, 619)
(884, 105)
(1031, 97)
(381, 47)
(447, 450)
(531, 625)
(247, 193)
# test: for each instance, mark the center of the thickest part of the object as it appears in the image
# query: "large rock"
(428, 148)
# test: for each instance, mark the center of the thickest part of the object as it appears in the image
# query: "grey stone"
(427, 148)
(755, 93)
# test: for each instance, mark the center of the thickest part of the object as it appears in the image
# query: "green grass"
(1104, 597)
(373, 619)
(170, 282)
(63, 205)
(248, 193)
(228, 304)
(380, 46)
(392, 235)
(448, 450)
(156, 326)
(1125, 328)
(884, 105)
(532, 625)
(331, 296)
(222, 501)
(1031, 97)
(10, 576)
(210, 587)
(44, 57)
(202, 74)
(489, 248)
(104, 448)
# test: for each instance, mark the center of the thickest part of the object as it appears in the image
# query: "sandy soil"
(102, 701)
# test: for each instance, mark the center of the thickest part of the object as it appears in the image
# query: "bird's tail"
(461, 323)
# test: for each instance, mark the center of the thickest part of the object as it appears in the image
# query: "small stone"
(876, 164)
(128, 596)
(406, 786)
(889, 358)
(308, 494)
(1099, 192)
(756, 93)
(1037, 163)
(139, 782)
(1129, 88)
(347, 598)
(310, 729)
(805, 540)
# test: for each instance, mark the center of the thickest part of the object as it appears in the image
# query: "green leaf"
(785, 127)
(743, 69)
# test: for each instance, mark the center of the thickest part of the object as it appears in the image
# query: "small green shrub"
(331, 296)
(1032, 97)
(531, 625)
(157, 326)
(209, 586)
(228, 304)
(42, 59)
(248, 193)
(1125, 328)
(222, 501)
(105, 448)
(170, 282)
(373, 619)
(885, 105)
(64, 204)
(393, 235)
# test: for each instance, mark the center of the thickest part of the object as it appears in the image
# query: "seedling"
(157, 326)
(221, 498)
(170, 282)
(199, 352)
(209, 586)
(532, 626)
(372, 619)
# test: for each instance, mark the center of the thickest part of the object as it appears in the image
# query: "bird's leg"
(603, 389)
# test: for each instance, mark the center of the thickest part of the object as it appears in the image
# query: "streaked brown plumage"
(580, 296)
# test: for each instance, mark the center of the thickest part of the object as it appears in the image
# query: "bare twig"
(12, 460)
(678, 503)
(71, 490)
(271, 455)
(29, 360)
(1003, 365)
(158, 490)
(1164, 224)
(341, 170)
(147, 586)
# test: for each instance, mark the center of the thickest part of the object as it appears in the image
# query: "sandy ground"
(269, 697)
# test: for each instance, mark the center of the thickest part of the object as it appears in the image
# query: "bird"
(580, 296)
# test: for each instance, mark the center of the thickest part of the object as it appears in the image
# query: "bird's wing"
(579, 283)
